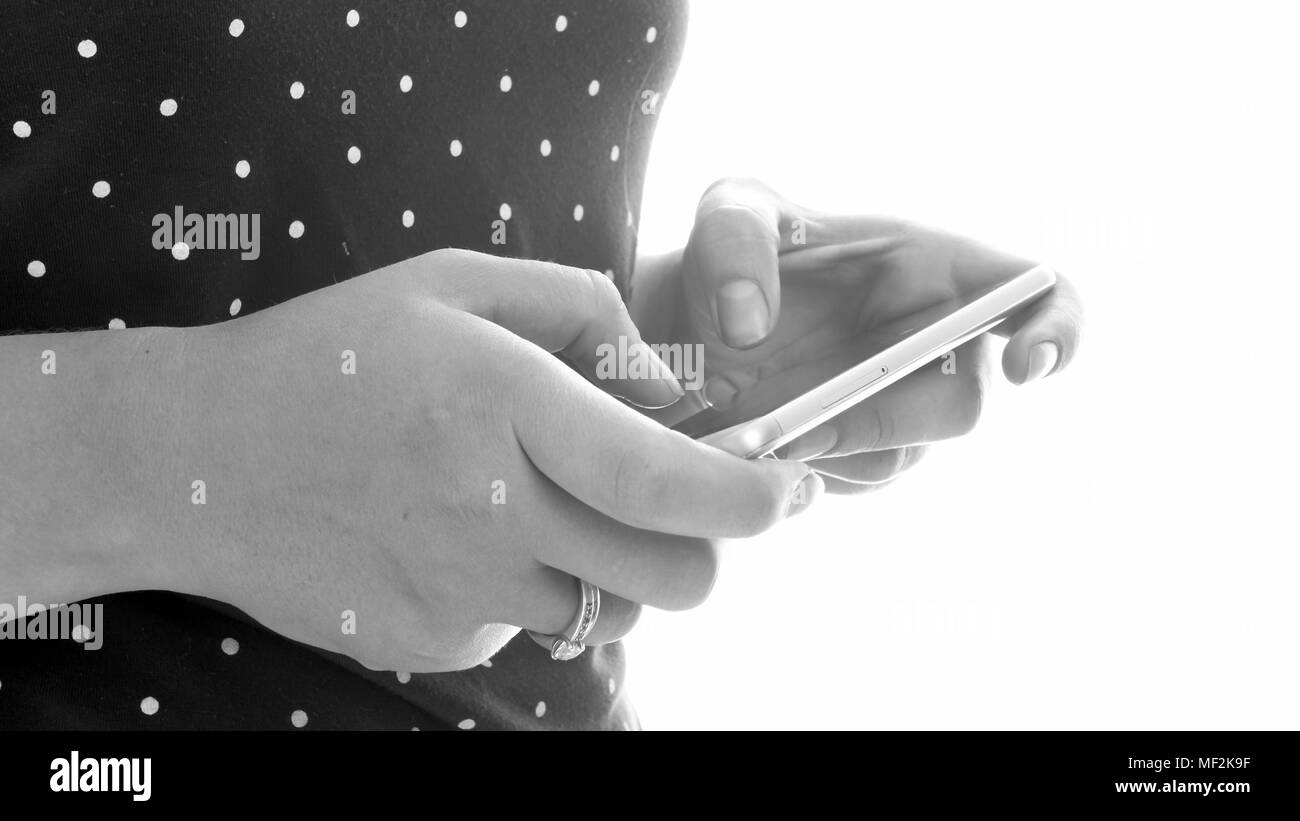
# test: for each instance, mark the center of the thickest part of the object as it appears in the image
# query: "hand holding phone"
(779, 299)
(783, 407)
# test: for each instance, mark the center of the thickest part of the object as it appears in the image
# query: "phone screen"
(758, 397)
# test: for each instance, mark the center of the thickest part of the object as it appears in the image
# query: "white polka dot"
(296, 228)
(593, 88)
(609, 273)
(613, 154)
(87, 48)
(561, 23)
(236, 27)
(404, 677)
(296, 90)
(461, 19)
(467, 724)
(36, 268)
(487, 663)
(405, 83)
(119, 325)
(82, 633)
(545, 148)
(577, 213)
(505, 211)
(415, 729)
(298, 718)
(408, 218)
(354, 155)
(613, 685)
(22, 130)
(650, 34)
(353, 18)
(181, 251)
(229, 646)
(167, 107)
(629, 219)
(456, 148)
(540, 709)
(506, 82)
(235, 307)
(101, 189)
(149, 705)
(242, 169)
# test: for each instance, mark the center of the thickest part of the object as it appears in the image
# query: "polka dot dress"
(359, 134)
(186, 164)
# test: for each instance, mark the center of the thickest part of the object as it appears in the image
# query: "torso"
(355, 146)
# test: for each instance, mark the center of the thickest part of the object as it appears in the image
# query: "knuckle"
(619, 567)
(605, 298)
(694, 576)
(769, 503)
(450, 257)
(725, 189)
(459, 649)
(367, 659)
(734, 221)
(737, 206)
(761, 502)
(450, 273)
(641, 485)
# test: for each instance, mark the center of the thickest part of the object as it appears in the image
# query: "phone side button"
(876, 377)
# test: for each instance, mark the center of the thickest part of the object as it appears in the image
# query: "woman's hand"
(447, 492)
(771, 288)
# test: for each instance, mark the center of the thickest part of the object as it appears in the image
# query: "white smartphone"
(890, 353)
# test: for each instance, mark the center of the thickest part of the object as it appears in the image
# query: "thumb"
(733, 282)
(571, 311)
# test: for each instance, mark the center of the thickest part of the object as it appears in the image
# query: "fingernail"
(1042, 358)
(812, 444)
(719, 392)
(808, 489)
(646, 364)
(743, 315)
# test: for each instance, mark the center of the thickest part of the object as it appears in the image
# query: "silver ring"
(572, 642)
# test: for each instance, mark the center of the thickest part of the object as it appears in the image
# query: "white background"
(1112, 548)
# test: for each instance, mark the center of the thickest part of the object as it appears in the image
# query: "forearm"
(86, 422)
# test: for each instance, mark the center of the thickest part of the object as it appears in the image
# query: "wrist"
(140, 411)
(81, 433)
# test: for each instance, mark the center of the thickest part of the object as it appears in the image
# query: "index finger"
(1044, 335)
(635, 470)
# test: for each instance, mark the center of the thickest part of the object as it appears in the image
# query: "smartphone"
(773, 417)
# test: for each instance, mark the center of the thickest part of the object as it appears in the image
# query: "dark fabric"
(86, 174)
